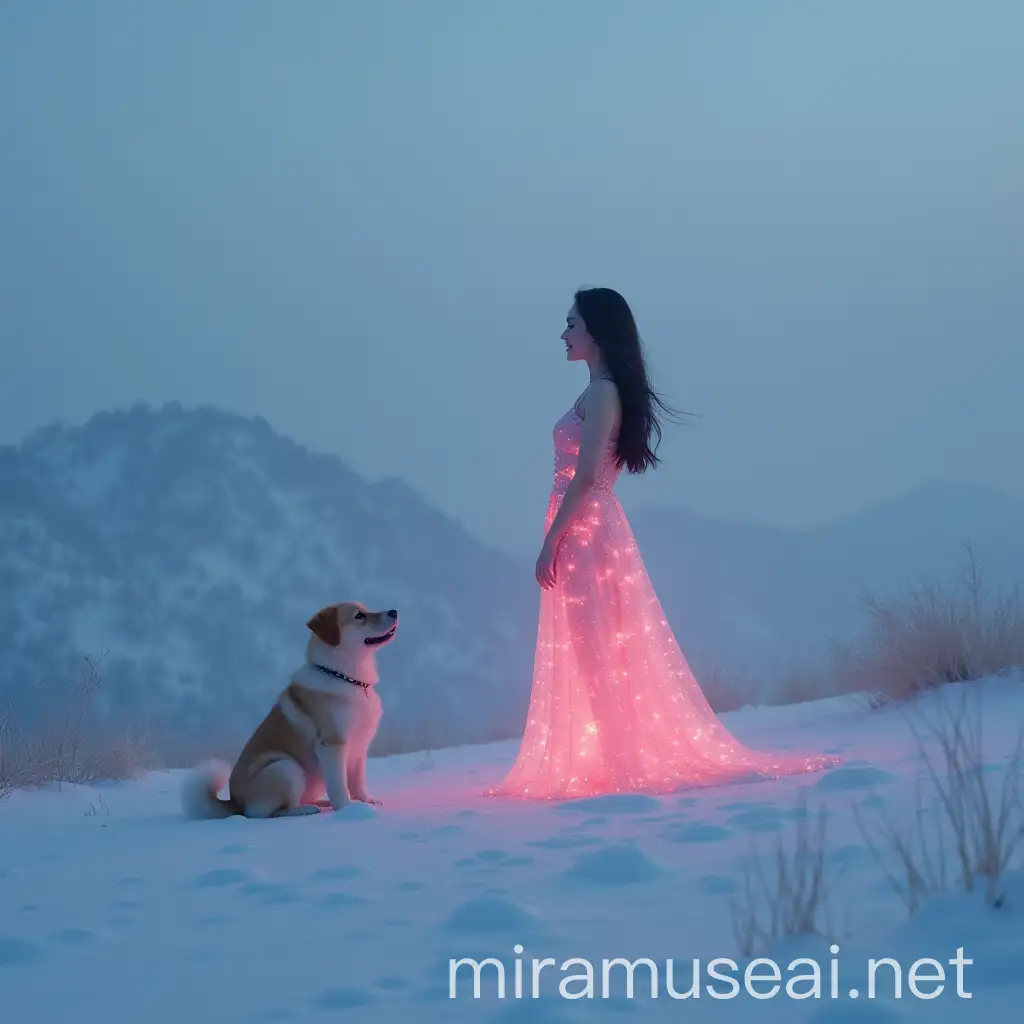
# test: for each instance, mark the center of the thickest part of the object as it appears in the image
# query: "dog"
(316, 735)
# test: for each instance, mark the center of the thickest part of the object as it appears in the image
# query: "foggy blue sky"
(365, 222)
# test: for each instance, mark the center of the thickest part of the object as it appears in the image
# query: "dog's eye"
(360, 615)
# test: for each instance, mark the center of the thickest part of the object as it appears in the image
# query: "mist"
(366, 222)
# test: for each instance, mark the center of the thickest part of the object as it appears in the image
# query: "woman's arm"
(601, 414)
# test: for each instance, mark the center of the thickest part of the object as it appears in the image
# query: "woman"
(614, 705)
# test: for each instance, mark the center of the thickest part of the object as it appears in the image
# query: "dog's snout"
(392, 613)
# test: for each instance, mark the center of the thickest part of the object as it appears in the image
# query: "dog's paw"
(369, 800)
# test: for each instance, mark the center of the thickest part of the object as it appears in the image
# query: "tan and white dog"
(317, 734)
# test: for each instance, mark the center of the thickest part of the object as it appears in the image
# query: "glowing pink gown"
(614, 705)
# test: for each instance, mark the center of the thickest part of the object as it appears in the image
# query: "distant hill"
(751, 601)
(191, 546)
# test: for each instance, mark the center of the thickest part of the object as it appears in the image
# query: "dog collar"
(345, 678)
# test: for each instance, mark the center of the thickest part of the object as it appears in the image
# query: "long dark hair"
(609, 321)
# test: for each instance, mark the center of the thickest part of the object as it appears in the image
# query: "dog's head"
(350, 626)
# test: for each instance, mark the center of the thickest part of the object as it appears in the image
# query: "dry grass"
(66, 747)
(933, 636)
(13, 768)
(966, 837)
(789, 898)
(969, 834)
(929, 636)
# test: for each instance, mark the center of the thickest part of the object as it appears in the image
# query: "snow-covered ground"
(114, 908)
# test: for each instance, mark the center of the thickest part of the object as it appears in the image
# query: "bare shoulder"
(601, 399)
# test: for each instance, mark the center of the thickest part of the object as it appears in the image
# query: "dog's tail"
(199, 794)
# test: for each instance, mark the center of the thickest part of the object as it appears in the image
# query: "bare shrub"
(67, 746)
(968, 835)
(789, 898)
(935, 635)
(14, 768)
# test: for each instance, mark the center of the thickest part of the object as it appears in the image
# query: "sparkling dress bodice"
(566, 437)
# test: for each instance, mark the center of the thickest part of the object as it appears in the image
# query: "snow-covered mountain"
(189, 547)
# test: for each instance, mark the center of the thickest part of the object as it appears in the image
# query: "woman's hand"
(545, 571)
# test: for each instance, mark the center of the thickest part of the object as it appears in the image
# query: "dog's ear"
(325, 626)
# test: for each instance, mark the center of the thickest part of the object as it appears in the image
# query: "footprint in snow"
(695, 832)
(492, 855)
(845, 856)
(334, 1000)
(17, 952)
(565, 842)
(212, 921)
(503, 857)
(447, 830)
(333, 874)
(235, 848)
(341, 899)
(393, 983)
(613, 803)
(615, 865)
(220, 877)
(596, 821)
(769, 817)
(715, 885)
(874, 803)
(488, 915)
(270, 892)
(758, 819)
(847, 778)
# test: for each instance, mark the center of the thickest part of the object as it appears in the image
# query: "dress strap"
(583, 394)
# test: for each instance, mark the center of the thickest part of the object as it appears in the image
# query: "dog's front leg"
(357, 780)
(332, 758)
